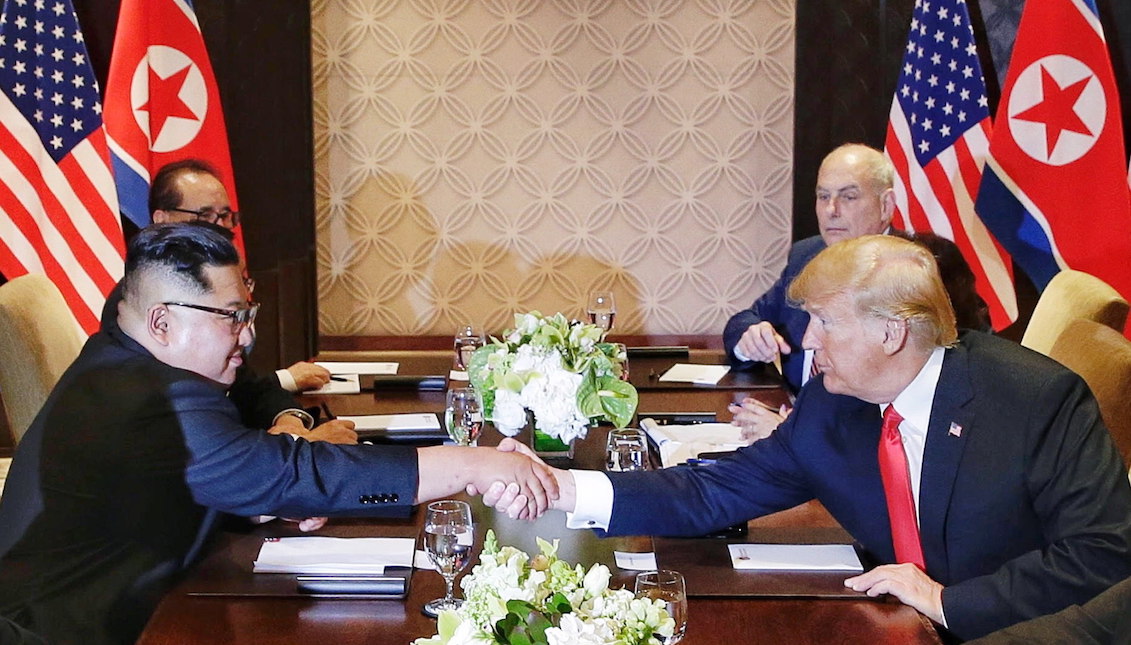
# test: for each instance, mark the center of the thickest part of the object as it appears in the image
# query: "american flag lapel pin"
(955, 430)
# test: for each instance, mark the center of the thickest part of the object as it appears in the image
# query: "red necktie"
(897, 489)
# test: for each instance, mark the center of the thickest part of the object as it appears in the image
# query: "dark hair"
(163, 194)
(970, 311)
(183, 249)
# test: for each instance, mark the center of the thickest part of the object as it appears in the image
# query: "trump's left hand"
(907, 583)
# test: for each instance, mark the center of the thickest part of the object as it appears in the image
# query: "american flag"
(938, 138)
(58, 208)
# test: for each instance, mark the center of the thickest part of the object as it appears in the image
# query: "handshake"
(516, 482)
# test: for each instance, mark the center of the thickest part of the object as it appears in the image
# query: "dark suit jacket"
(121, 476)
(774, 308)
(1104, 620)
(1024, 506)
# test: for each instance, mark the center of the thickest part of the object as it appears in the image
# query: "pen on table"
(765, 406)
(326, 410)
(340, 379)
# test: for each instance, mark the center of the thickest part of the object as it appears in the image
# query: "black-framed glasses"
(241, 317)
(226, 218)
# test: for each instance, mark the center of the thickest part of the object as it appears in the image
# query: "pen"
(700, 462)
(762, 405)
(340, 379)
(326, 410)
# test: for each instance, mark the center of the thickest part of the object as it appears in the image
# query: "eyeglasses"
(225, 218)
(240, 318)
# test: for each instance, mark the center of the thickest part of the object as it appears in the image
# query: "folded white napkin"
(678, 443)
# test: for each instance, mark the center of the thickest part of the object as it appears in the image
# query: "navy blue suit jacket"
(121, 477)
(774, 308)
(1024, 505)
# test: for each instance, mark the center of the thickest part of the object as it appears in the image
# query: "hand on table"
(509, 498)
(334, 431)
(757, 420)
(907, 583)
(761, 342)
(309, 376)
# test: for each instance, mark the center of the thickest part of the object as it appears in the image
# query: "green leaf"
(559, 604)
(512, 382)
(588, 400)
(618, 400)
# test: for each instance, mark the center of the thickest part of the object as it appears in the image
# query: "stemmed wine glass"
(666, 586)
(467, 340)
(448, 538)
(602, 309)
(463, 415)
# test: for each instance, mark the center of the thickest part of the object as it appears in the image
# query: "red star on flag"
(165, 101)
(1057, 109)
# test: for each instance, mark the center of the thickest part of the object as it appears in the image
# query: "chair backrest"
(1068, 296)
(1102, 356)
(39, 339)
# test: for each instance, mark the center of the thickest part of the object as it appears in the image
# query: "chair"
(39, 339)
(1068, 296)
(1102, 356)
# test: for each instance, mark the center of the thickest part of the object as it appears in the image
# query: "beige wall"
(477, 158)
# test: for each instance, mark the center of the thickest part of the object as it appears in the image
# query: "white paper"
(695, 373)
(795, 557)
(413, 421)
(458, 375)
(350, 385)
(678, 443)
(359, 367)
(329, 555)
(636, 561)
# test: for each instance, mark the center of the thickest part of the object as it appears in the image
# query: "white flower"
(510, 412)
(573, 631)
(597, 580)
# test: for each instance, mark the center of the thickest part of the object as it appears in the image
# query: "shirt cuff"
(286, 380)
(593, 505)
(739, 355)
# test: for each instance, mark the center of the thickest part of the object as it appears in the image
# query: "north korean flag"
(161, 103)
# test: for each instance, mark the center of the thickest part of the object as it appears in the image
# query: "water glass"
(626, 449)
(666, 586)
(449, 536)
(467, 340)
(602, 309)
(463, 415)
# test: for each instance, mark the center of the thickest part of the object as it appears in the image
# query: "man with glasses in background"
(190, 190)
(139, 450)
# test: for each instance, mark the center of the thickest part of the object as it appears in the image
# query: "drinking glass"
(626, 449)
(463, 415)
(468, 339)
(448, 538)
(602, 309)
(666, 586)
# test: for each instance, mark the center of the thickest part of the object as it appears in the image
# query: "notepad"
(695, 373)
(395, 422)
(329, 555)
(795, 557)
(359, 367)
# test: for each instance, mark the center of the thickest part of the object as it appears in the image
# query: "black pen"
(326, 410)
(340, 379)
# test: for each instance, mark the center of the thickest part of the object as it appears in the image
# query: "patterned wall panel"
(477, 158)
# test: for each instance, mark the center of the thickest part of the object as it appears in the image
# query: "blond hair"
(887, 278)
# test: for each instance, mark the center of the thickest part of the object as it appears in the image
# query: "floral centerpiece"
(512, 598)
(562, 371)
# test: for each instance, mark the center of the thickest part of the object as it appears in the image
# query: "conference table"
(222, 601)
